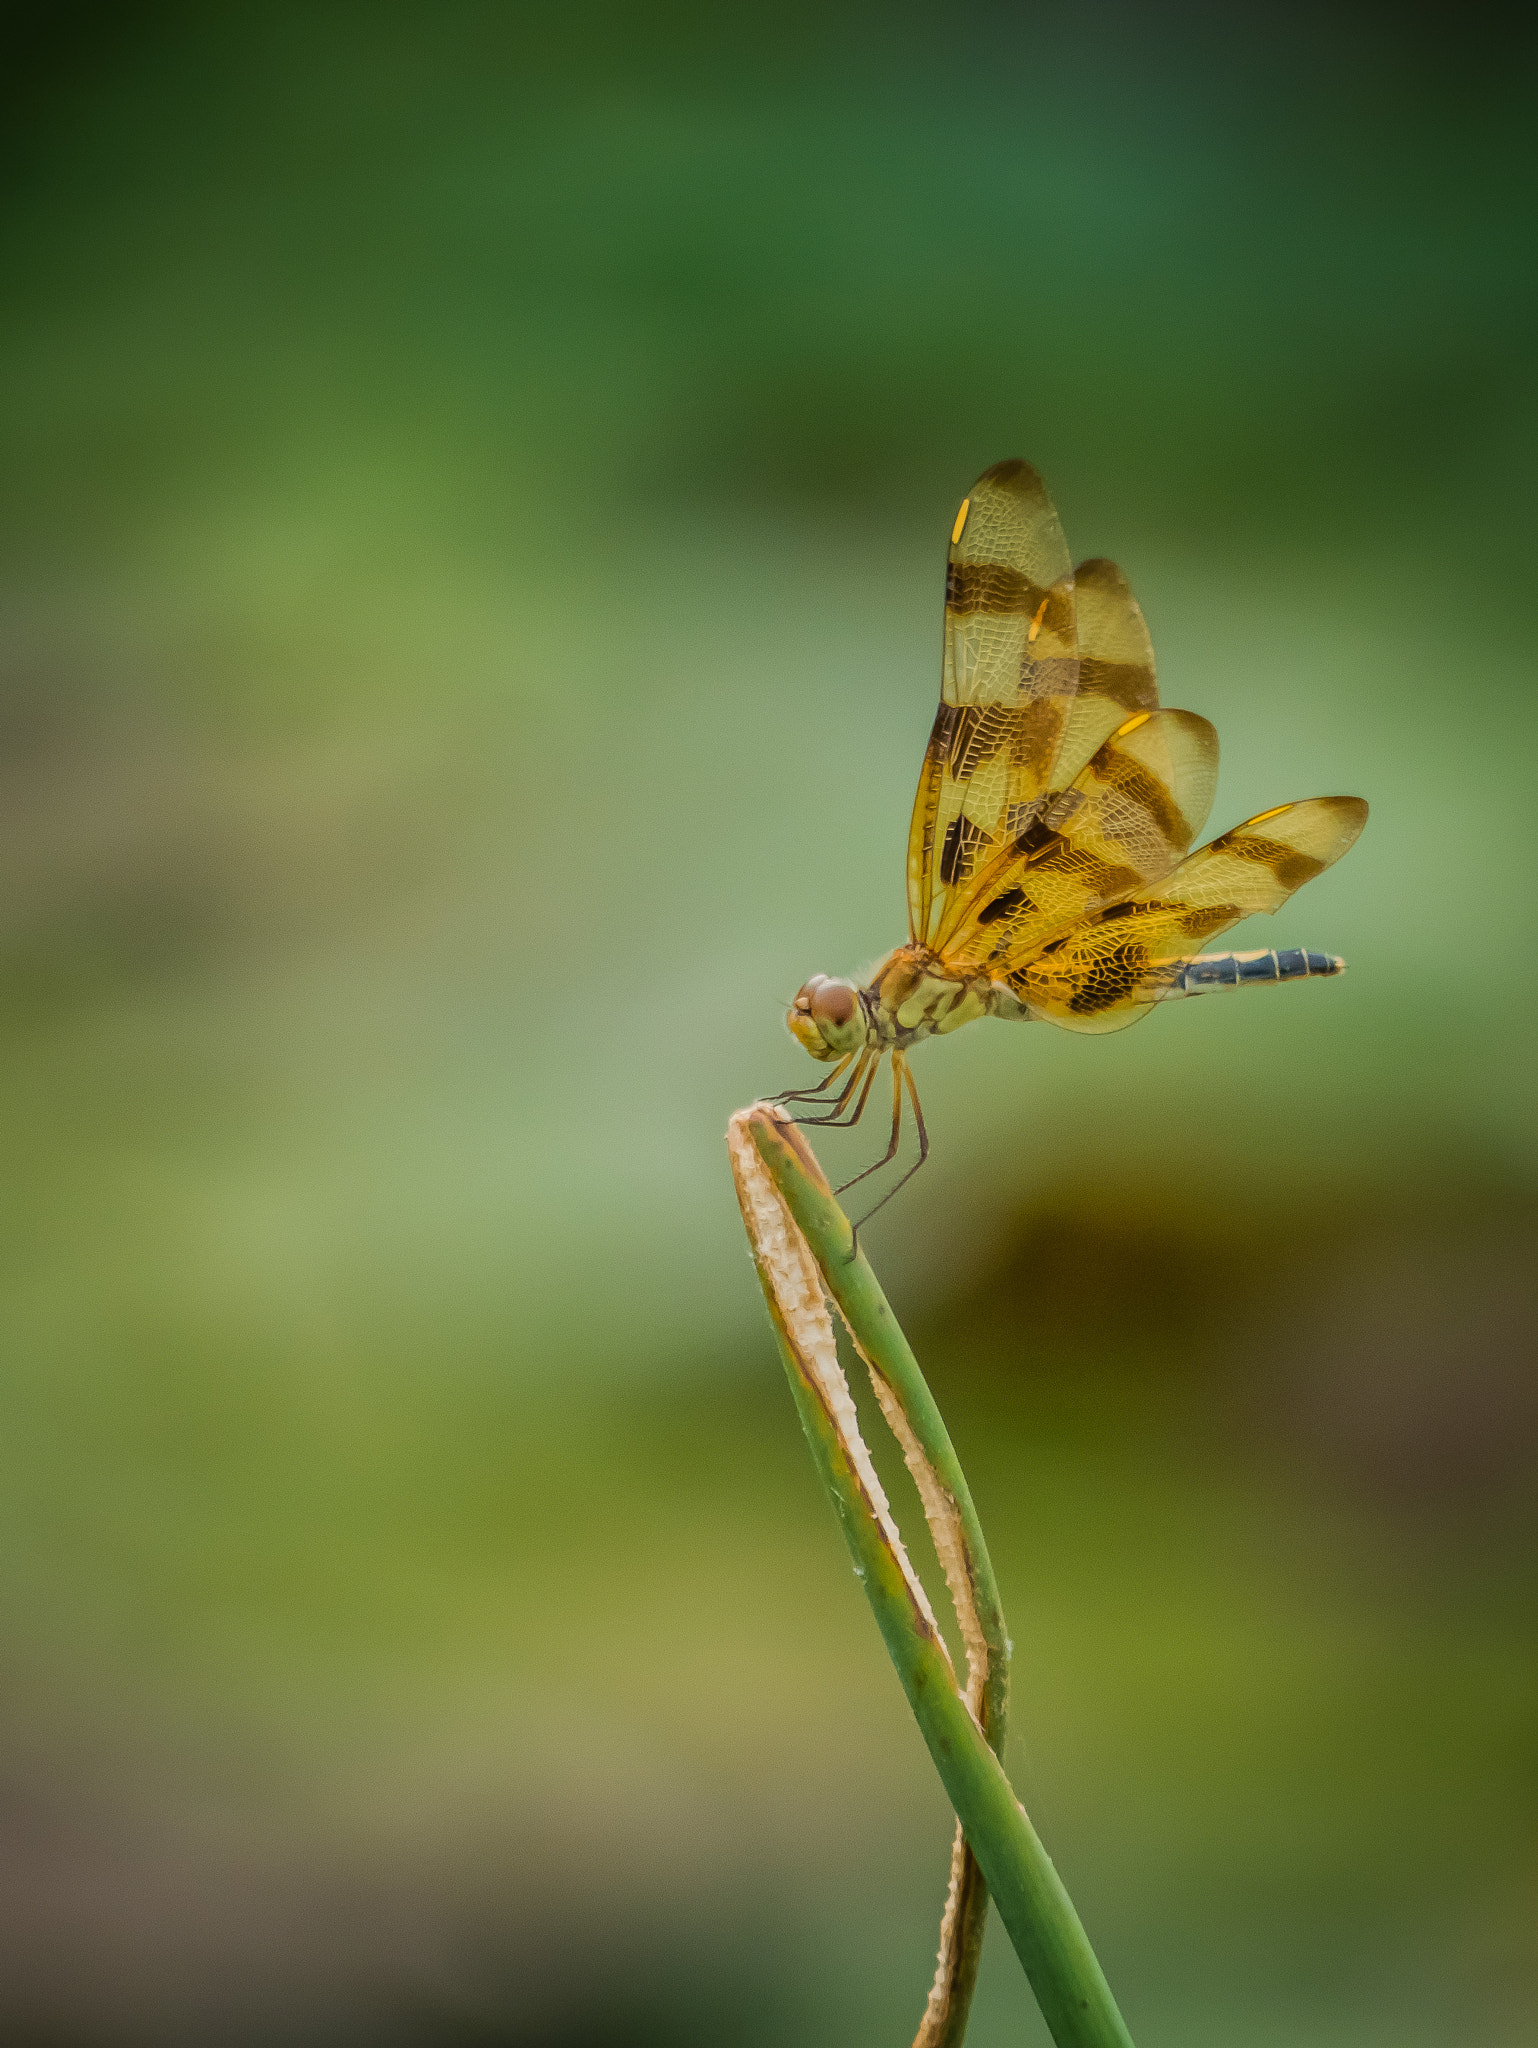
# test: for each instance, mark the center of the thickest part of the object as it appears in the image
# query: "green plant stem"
(1038, 1915)
(890, 1360)
(877, 1332)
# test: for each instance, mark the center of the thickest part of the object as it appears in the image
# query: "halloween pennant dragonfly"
(1048, 872)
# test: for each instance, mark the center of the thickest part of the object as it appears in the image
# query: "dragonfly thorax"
(914, 995)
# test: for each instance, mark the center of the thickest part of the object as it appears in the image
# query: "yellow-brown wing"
(1010, 674)
(1124, 821)
(1116, 665)
(1108, 972)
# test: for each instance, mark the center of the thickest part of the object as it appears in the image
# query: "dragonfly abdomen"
(1209, 971)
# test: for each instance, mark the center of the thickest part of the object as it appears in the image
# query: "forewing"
(1107, 973)
(1010, 672)
(1124, 822)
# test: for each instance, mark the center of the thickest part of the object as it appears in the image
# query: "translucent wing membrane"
(1041, 666)
(1010, 675)
(1110, 970)
(1125, 820)
(1116, 664)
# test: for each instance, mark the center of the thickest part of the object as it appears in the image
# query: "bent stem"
(801, 1242)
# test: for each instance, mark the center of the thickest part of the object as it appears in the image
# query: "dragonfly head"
(827, 1019)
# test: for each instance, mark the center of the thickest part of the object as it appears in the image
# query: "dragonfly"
(1049, 871)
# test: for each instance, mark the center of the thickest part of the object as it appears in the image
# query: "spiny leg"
(849, 1122)
(902, 1181)
(857, 1113)
(897, 1128)
(862, 1068)
(849, 1087)
(811, 1094)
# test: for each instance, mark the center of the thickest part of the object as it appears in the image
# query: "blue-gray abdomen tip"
(1236, 970)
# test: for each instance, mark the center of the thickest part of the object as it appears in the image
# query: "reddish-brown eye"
(833, 1002)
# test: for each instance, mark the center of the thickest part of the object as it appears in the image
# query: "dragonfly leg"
(848, 1090)
(898, 1063)
(865, 1070)
(903, 1179)
(857, 1113)
(811, 1094)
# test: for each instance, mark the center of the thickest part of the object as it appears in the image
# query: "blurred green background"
(472, 506)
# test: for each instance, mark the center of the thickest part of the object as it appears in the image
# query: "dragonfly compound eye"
(831, 1002)
(824, 1017)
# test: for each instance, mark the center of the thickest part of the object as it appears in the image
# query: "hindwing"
(1112, 968)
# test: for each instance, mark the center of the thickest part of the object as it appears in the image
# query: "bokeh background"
(472, 503)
